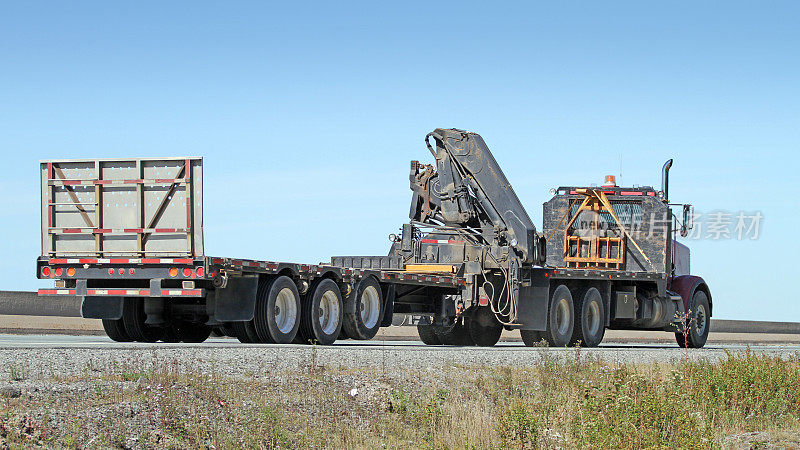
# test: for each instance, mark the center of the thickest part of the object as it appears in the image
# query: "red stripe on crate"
(58, 261)
(101, 230)
(166, 230)
(133, 181)
(133, 230)
(70, 230)
(70, 182)
(631, 193)
(119, 261)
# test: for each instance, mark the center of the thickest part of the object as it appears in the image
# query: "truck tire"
(484, 329)
(133, 318)
(240, 333)
(590, 319)
(322, 313)
(560, 318)
(699, 323)
(115, 329)
(531, 338)
(427, 334)
(190, 333)
(456, 334)
(366, 304)
(278, 311)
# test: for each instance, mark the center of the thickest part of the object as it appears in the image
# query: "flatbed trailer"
(125, 235)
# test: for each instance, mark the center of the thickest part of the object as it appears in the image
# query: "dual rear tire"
(283, 316)
(132, 327)
(570, 321)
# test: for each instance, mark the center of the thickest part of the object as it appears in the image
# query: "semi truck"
(126, 237)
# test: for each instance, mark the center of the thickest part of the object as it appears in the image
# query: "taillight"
(131, 271)
(200, 271)
(59, 271)
(173, 271)
(71, 271)
(46, 271)
(111, 271)
(121, 271)
(187, 272)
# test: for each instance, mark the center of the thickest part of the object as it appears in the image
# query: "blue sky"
(307, 114)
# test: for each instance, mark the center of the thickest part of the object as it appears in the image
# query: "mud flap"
(388, 308)
(102, 307)
(533, 303)
(237, 301)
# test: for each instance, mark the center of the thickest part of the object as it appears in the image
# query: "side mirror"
(688, 220)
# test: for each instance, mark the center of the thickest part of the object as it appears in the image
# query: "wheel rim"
(329, 312)
(370, 306)
(562, 316)
(700, 321)
(593, 316)
(285, 310)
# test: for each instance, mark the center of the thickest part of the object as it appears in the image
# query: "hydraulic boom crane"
(468, 190)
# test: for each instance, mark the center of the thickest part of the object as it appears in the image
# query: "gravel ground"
(72, 355)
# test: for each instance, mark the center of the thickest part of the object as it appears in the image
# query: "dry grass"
(743, 400)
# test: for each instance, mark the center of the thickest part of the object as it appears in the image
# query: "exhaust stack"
(665, 179)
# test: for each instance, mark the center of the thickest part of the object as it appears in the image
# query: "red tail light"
(200, 271)
(59, 271)
(187, 272)
(46, 271)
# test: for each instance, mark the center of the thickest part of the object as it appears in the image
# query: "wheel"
(590, 319)
(191, 333)
(252, 334)
(455, 334)
(363, 310)
(133, 318)
(321, 316)
(699, 323)
(484, 329)
(560, 318)
(531, 338)
(277, 310)
(240, 333)
(115, 329)
(427, 334)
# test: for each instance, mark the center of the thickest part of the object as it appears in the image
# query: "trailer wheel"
(278, 310)
(531, 338)
(366, 302)
(699, 323)
(484, 328)
(115, 329)
(133, 318)
(560, 318)
(322, 313)
(590, 323)
(427, 334)
(456, 334)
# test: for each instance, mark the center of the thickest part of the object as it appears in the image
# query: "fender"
(686, 286)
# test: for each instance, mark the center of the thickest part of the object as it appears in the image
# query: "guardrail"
(19, 303)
